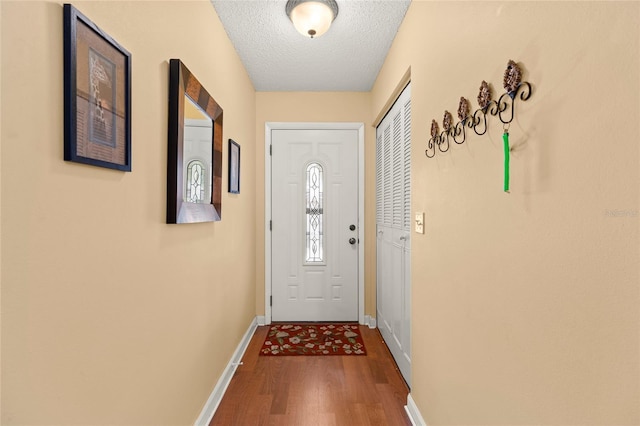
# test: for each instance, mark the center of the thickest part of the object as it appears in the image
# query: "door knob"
(352, 241)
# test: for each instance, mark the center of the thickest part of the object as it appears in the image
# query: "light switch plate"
(420, 222)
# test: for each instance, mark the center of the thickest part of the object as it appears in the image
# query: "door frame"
(269, 126)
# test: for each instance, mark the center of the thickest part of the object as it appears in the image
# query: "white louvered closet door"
(393, 225)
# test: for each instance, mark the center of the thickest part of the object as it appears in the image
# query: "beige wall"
(316, 107)
(110, 316)
(0, 223)
(525, 306)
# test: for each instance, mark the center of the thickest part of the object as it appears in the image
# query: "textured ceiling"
(278, 58)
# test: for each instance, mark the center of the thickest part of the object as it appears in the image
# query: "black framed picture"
(234, 167)
(97, 95)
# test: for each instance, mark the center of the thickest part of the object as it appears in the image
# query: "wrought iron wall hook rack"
(503, 108)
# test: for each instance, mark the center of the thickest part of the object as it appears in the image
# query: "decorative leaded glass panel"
(195, 182)
(314, 214)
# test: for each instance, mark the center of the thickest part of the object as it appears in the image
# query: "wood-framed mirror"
(194, 166)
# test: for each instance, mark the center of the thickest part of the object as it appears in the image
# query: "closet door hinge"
(270, 149)
(270, 300)
(270, 225)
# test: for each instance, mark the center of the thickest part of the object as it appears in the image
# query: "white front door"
(314, 211)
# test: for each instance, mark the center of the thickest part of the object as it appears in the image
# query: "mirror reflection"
(197, 167)
(194, 155)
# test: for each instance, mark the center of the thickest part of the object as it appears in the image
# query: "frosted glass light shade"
(312, 18)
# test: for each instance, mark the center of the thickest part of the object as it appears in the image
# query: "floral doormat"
(313, 339)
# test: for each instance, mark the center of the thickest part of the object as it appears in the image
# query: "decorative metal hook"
(447, 126)
(463, 115)
(513, 84)
(486, 105)
(480, 116)
(508, 100)
(435, 139)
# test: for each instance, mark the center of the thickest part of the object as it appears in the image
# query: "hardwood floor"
(315, 390)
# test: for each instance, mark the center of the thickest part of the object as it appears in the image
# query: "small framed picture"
(234, 167)
(97, 95)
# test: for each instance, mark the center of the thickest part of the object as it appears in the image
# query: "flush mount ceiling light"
(312, 18)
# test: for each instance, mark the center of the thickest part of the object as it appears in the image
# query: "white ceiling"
(278, 58)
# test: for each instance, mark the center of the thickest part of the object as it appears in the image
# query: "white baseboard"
(261, 320)
(371, 322)
(211, 406)
(414, 414)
